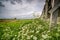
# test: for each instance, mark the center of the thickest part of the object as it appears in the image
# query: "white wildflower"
(31, 36)
(25, 34)
(27, 31)
(57, 34)
(48, 31)
(37, 31)
(32, 31)
(41, 39)
(40, 26)
(44, 36)
(23, 29)
(58, 30)
(28, 37)
(28, 25)
(6, 29)
(34, 37)
(15, 35)
(13, 39)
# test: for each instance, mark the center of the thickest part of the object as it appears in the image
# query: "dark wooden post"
(54, 15)
(46, 9)
(53, 19)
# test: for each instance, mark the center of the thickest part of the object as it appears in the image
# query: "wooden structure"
(51, 11)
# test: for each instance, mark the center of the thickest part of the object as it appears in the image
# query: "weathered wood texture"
(53, 18)
(52, 11)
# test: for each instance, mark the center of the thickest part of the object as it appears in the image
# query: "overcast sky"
(20, 8)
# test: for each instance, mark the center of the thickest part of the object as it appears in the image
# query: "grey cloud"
(16, 9)
(15, 1)
(2, 4)
(29, 1)
(40, 0)
(18, 1)
(12, 2)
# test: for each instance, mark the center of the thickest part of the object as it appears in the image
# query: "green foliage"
(33, 29)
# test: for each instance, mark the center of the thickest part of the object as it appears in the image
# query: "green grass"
(28, 29)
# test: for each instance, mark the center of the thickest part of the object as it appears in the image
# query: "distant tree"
(14, 18)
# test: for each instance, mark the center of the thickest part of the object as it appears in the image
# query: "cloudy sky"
(20, 8)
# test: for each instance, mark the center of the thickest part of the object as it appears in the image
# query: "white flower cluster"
(30, 31)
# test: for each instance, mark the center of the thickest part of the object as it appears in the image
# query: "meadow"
(28, 29)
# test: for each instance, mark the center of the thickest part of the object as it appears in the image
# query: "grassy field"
(28, 29)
